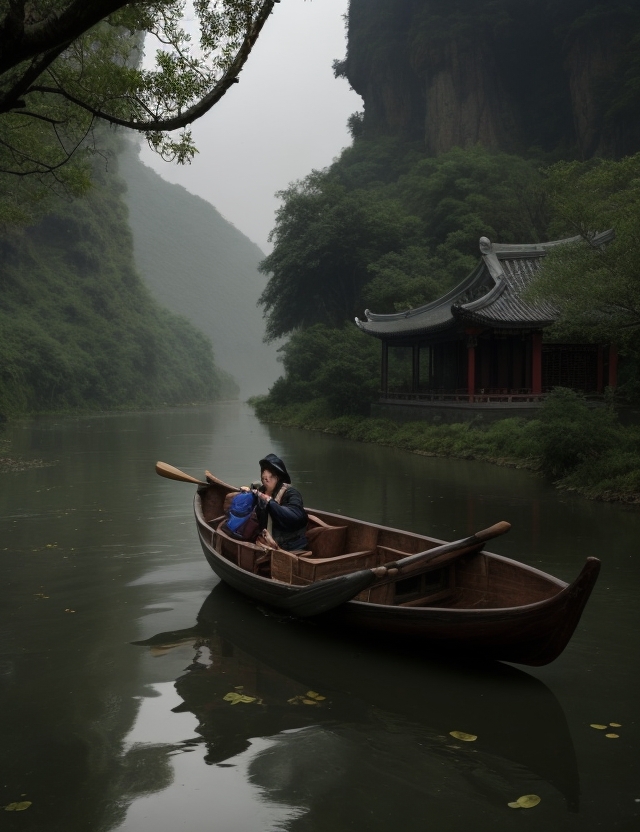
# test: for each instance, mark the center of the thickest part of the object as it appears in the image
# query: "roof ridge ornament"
(485, 245)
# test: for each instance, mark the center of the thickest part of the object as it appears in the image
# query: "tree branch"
(20, 42)
(192, 113)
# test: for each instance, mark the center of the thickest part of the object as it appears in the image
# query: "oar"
(172, 473)
(324, 595)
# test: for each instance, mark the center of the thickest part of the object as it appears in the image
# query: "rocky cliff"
(515, 75)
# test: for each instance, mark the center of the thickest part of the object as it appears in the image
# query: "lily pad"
(18, 807)
(598, 726)
(615, 725)
(237, 698)
(528, 801)
(461, 735)
(612, 736)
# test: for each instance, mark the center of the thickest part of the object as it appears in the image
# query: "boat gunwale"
(398, 611)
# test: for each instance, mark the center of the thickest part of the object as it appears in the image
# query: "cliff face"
(510, 74)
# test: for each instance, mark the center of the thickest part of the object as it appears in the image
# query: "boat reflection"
(283, 666)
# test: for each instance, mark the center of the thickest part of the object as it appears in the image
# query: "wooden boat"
(466, 601)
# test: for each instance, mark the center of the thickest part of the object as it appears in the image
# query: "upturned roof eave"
(444, 301)
(370, 328)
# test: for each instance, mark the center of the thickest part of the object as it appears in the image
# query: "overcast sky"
(286, 117)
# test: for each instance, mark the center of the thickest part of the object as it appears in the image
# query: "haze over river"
(102, 734)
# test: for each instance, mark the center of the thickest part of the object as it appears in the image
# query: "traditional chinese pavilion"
(480, 347)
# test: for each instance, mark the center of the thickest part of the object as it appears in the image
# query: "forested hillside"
(78, 327)
(198, 264)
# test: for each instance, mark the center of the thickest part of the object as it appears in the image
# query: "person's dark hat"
(274, 464)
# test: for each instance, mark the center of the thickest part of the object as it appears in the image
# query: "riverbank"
(578, 450)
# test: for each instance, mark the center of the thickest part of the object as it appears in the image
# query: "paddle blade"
(324, 595)
(493, 531)
(171, 473)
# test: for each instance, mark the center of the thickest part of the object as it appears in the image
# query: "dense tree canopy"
(597, 288)
(386, 228)
(66, 63)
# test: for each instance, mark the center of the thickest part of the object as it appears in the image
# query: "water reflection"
(383, 726)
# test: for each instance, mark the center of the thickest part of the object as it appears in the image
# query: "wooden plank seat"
(303, 568)
(326, 541)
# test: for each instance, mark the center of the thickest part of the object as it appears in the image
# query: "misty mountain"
(199, 265)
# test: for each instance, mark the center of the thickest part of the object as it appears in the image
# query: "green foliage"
(339, 367)
(570, 433)
(466, 193)
(78, 329)
(596, 288)
(64, 64)
(325, 238)
(386, 227)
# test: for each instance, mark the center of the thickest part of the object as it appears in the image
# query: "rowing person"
(280, 509)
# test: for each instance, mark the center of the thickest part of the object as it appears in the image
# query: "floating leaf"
(236, 698)
(18, 807)
(460, 735)
(528, 801)
(515, 805)
(68, 610)
(305, 700)
(612, 736)
(311, 694)
(599, 727)
(615, 725)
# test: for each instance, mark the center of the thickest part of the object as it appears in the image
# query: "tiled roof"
(490, 296)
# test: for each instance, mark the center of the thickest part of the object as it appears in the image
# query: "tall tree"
(325, 238)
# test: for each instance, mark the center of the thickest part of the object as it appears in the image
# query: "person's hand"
(244, 488)
(264, 497)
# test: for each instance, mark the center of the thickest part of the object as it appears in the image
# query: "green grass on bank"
(576, 447)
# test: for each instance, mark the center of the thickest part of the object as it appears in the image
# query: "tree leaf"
(460, 735)
(528, 801)
(18, 807)
(236, 698)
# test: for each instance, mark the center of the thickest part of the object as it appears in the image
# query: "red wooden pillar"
(613, 366)
(536, 363)
(471, 366)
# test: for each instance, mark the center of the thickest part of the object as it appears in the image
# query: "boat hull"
(525, 633)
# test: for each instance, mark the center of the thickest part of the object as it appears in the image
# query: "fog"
(286, 117)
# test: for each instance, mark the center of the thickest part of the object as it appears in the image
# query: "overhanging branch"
(192, 113)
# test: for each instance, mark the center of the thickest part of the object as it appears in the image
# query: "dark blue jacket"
(288, 518)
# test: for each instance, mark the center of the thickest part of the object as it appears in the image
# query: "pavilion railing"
(480, 396)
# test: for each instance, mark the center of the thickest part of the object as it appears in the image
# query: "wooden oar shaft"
(431, 554)
(329, 593)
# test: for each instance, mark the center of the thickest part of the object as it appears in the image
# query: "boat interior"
(464, 579)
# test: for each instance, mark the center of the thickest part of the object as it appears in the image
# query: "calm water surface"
(101, 733)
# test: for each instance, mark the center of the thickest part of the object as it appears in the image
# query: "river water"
(102, 733)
